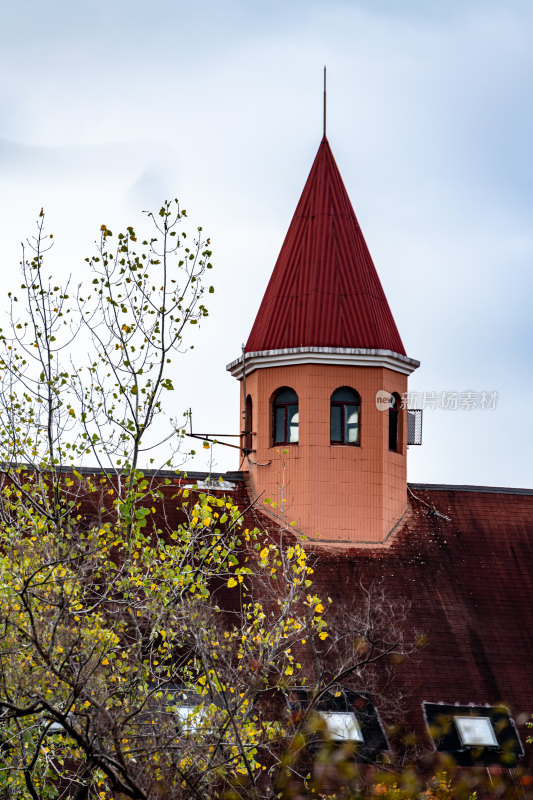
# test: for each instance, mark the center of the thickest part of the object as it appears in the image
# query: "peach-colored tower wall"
(334, 493)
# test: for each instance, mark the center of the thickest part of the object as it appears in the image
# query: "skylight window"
(55, 727)
(344, 716)
(476, 731)
(474, 735)
(191, 718)
(342, 726)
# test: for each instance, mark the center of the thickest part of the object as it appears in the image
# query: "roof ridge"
(469, 488)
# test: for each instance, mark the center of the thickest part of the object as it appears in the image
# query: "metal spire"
(324, 102)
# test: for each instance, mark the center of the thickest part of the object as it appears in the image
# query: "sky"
(108, 108)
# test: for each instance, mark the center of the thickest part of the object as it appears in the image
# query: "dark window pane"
(336, 425)
(286, 396)
(279, 424)
(393, 429)
(249, 423)
(344, 394)
(293, 418)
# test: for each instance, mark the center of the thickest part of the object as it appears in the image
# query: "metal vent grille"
(414, 426)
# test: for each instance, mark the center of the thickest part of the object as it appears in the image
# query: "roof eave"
(343, 356)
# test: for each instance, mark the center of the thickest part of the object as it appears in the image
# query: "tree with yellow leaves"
(151, 645)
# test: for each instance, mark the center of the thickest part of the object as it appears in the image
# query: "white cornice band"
(342, 356)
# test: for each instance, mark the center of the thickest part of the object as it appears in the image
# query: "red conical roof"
(324, 291)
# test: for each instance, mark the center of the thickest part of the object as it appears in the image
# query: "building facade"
(324, 437)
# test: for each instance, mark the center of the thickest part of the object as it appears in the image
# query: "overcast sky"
(108, 108)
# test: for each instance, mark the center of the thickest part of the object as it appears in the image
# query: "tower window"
(345, 412)
(286, 417)
(394, 423)
(248, 424)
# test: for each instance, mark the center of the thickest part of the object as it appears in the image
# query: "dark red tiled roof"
(463, 563)
(469, 582)
(324, 291)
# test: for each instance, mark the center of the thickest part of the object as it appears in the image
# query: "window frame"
(395, 419)
(343, 405)
(284, 406)
(248, 433)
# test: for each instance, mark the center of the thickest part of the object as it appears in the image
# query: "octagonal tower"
(324, 371)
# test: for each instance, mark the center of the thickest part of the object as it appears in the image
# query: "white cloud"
(108, 107)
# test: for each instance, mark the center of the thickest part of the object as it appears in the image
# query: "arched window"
(345, 413)
(394, 422)
(285, 407)
(248, 424)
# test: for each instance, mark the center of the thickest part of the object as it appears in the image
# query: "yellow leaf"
(231, 583)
